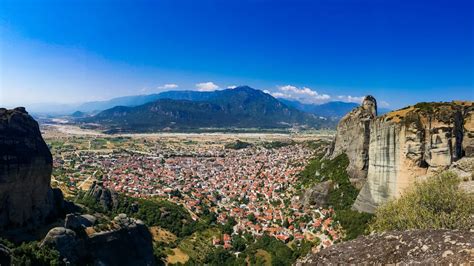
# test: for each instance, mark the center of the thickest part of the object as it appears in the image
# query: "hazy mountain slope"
(332, 110)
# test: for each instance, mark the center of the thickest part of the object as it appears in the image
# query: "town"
(253, 184)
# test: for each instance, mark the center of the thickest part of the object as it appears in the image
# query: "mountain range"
(242, 107)
(332, 110)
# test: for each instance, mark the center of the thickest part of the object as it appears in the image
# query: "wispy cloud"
(207, 86)
(168, 86)
(384, 104)
(303, 94)
(351, 99)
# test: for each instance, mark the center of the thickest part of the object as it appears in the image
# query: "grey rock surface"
(426, 247)
(353, 136)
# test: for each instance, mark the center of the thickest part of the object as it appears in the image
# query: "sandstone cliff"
(426, 247)
(390, 152)
(26, 198)
(352, 138)
(412, 144)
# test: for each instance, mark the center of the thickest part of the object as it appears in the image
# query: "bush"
(433, 204)
(354, 222)
(31, 254)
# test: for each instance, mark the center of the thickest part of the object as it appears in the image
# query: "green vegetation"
(280, 254)
(341, 196)
(31, 253)
(435, 203)
(277, 144)
(153, 212)
(237, 145)
(199, 245)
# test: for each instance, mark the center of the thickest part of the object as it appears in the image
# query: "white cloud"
(280, 95)
(206, 86)
(384, 104)
(232, 87)
(303, 94)
(351, 99)
(168, 86)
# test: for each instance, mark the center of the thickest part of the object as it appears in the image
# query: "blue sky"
(402, 52)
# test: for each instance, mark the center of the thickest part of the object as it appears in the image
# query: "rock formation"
(26, 197)
(125, 242)
(426, 247)
(352, 138)
(394, 150)
(317, 195)
(27, 200)
(409, 145)
(106, 197)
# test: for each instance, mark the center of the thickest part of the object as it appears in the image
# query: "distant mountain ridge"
(242, 107)
(331, 110)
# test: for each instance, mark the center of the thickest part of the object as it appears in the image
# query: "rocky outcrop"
(317, 195)
(65, 242)
(106, 197)
(352, 138)
(129, 243)
(126, 241)
(387, 154)
(425, 247)
(26, 197)
(78, 222)
(410, 144)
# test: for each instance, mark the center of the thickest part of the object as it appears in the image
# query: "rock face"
(352, 138)
(126, 242)
(405, 248)
(391, 151)
(26, 198)
(410, 144)
(468, 137)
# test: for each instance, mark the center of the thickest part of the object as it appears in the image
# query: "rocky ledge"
(406, 247)
(124, 241)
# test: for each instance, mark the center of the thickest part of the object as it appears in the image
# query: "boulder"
(63, 240)
(317, 195)
(79, 222)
